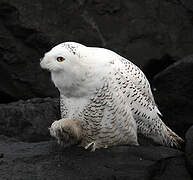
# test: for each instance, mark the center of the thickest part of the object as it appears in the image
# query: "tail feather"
(159, 132)
(168, 138)
(173, 139)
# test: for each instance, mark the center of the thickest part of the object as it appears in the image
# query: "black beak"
(41, 59)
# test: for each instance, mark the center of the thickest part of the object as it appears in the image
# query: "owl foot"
(93, 146)
(66, 131)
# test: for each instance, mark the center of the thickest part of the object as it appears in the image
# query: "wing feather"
(144, 110)
(139, 79)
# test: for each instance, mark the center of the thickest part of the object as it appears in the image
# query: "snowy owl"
(105, 99)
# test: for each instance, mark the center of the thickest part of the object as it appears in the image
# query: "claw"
(91, 146)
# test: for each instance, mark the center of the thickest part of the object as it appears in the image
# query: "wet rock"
(46, 160)
(29, 120)
(173, 93)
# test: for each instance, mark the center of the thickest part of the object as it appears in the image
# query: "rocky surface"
(154, 34)
(174, 87)
(45, 160)
(37, 159)
(28, 120)
(28, 29)
(189, 149)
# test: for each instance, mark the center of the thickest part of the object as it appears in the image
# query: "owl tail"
(173, 140)
(167, 137)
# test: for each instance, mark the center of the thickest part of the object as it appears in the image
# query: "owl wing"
(138, 78)
(143, 107)
(134, 90)
(127, 69)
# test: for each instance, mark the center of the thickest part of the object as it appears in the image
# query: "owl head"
(72, 67)
(75, 67)
(63, 57)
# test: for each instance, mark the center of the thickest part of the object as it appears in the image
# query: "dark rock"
(138, 30)
(155, 66)
(173, 93)
(29, 120)
(46, 160)
(188, 4)
(21, 75)
(171, 169)
(189, 149)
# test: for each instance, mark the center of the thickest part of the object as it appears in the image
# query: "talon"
(91, 146)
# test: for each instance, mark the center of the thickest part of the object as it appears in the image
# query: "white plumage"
(105, 99)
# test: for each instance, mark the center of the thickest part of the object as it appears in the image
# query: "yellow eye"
(60, 59)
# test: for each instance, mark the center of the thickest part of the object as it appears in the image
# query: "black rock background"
(157, 35)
